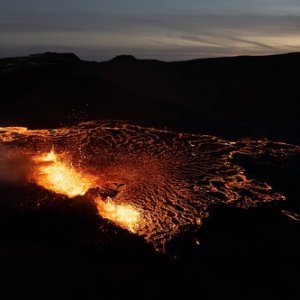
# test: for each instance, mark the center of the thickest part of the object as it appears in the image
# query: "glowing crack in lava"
(154, 183)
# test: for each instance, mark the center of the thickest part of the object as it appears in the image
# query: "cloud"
(163, 36)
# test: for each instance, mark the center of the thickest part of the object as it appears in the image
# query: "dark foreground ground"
(57, 251)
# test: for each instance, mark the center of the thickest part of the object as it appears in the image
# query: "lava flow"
(154, 183)
(53, 173)
(126, 216)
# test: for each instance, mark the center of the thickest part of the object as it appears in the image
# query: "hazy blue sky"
(161, 29)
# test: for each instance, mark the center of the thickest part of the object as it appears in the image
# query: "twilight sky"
(160, 29)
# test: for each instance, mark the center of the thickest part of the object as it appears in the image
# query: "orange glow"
(152, 182)
(7, 133)
(59, 176)
(56, 174)
(124, 215)
(14, 129)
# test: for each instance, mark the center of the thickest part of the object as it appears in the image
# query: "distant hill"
(234, 96)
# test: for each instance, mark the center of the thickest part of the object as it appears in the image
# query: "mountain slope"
(238, 96)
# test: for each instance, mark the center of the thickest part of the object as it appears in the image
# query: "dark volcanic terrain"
(54, 247)
(238, 96)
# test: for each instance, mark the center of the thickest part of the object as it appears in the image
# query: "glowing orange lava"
(59, 176)
(126, 216)
(7, 133)
(56, 174)
(149, 181)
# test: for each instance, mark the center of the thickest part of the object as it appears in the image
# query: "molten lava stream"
(54, 173)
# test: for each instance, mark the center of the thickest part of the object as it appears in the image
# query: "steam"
(14, 168)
